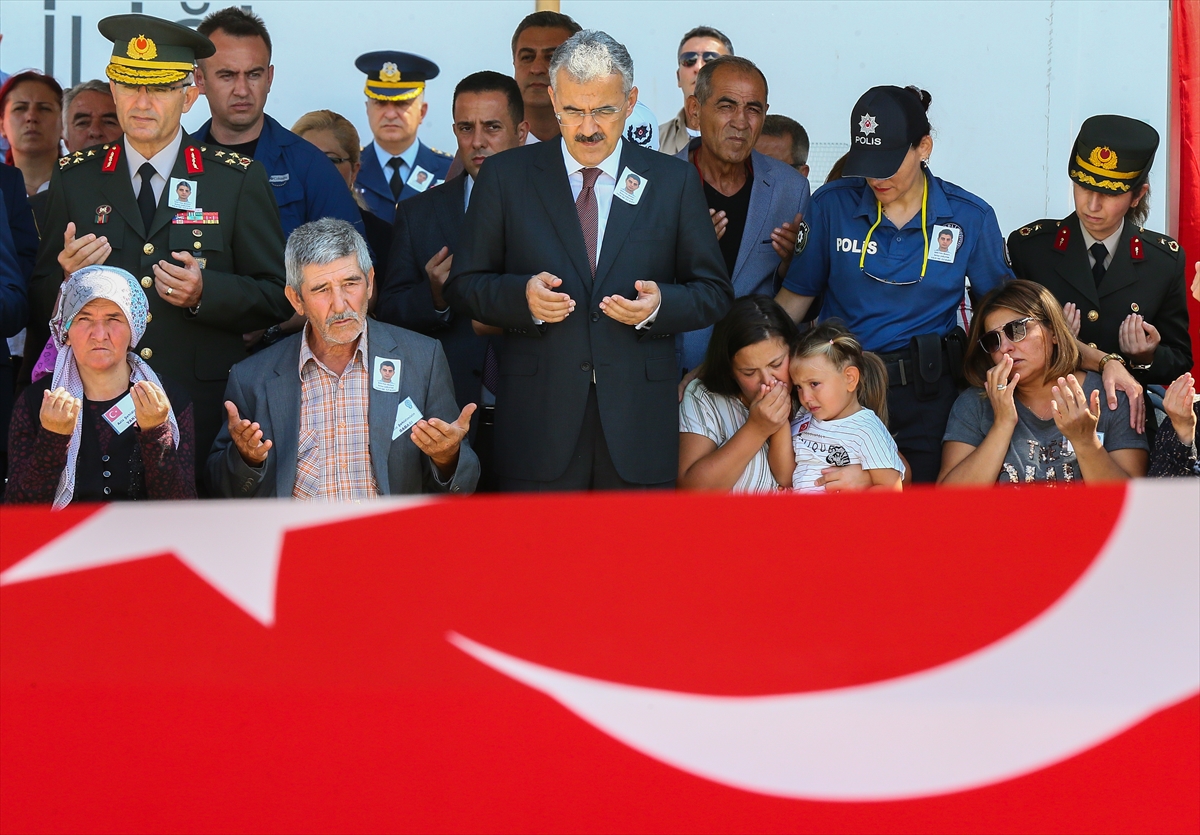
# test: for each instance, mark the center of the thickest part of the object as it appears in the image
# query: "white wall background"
(1011, 79)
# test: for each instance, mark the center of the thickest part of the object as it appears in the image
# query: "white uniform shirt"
(163, 162)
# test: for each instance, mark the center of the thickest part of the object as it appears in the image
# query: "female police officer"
(871, 247)
(1124, 284)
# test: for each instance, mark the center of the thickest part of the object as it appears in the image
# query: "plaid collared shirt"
(333, 457)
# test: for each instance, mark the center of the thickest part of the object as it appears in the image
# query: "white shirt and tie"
(1110, 243)
(163, 163)
(408, 161)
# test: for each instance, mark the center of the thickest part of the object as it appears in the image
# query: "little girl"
(843, 395)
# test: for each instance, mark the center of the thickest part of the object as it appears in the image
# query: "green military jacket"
(1146, 277)
(239, 248)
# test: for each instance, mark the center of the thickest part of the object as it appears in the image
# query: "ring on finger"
(170, 291)
(1001, 386)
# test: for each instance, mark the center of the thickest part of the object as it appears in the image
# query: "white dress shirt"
(1110, 243)
(467, 187)
(163, 162)
(605, 185)
(408, 160)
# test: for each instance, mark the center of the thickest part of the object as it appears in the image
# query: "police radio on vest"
(867, 140)
(851, 245)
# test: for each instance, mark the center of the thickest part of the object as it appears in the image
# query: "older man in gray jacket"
(349, 408)
(757, 203)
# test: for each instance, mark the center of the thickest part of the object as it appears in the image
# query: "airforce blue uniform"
(885, 316)
(372, 181)
(898, 314)
(306, 185)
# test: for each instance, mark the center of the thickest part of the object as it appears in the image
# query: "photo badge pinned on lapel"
(407, 415)
(630, 186)
(420, 179)
(102, 213)
(182, 194)
(944, 242)
(387, 374)
(123, 415)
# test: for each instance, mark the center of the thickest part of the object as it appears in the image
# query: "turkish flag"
(599, 664)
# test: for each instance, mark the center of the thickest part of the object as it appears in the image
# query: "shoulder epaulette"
(1164, 242)
(440, 153)
(71, 160)
(225, 156)
(1038, 227)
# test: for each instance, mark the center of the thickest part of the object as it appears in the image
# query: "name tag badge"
(630, 186)
(420, 179)
(278, 180)
(944, 243)
(182, 194)
(122, 416)
(1069, 450)
(407, 415)
(387, 374)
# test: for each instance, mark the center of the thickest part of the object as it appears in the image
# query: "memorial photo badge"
(420, 179)
(387, 374)
(944, 242)
(182, 194)
(630, 186)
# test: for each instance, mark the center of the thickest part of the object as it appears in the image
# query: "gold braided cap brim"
(139, 76)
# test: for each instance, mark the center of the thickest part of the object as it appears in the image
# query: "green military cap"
(149, 50)
(1112, 154)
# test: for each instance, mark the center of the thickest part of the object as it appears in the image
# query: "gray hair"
(95, 85)
(322, 242)
(592, 54)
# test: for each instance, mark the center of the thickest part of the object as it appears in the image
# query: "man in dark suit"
(348, 408)
(488, 118)
(587, 401)
(209, 275)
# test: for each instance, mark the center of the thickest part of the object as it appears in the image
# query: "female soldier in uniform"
(1123, 284)
(868, 246)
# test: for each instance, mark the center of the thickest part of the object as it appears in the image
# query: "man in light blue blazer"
(349, 408)
(757, 203)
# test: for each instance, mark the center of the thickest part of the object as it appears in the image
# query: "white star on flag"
(233, 546)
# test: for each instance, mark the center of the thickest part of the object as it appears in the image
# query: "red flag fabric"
(1185, 111)
(936, 661)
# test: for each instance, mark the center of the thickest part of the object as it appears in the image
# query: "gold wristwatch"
(1107, 357)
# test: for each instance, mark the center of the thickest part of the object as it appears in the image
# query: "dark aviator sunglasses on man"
(689, 59)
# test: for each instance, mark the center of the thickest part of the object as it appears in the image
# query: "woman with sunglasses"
(870, 247)
(1031, 415)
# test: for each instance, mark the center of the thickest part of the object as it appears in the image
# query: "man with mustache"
(305, 419)
(589, 287)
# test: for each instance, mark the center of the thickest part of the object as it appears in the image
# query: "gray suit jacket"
(779, 193)
(266, 388)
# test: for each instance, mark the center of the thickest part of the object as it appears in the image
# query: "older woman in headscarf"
(103, 427)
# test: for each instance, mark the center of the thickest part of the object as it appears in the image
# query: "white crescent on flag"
(1120, 645)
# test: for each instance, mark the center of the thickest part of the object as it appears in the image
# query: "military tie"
(589, 214)
(491, 369)
(396, 182)
(1099, 252)
(145, 199)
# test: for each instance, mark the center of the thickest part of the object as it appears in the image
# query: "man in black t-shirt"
(757, 203)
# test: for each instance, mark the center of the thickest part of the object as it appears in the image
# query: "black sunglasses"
(689, 59)
(1015, 330)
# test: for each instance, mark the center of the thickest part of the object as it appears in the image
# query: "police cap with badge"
(147, 50)
(395, 76)
(885, 123)
(1112, 154)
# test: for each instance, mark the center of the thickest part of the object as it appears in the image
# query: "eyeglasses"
(157, 91)
(337, 160)
(574, 118)
(1015, 331)
(689, 59)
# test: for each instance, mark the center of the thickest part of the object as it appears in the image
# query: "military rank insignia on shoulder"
(223, 155)
(1038, 227)
(1164, 242)
(442, 153)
